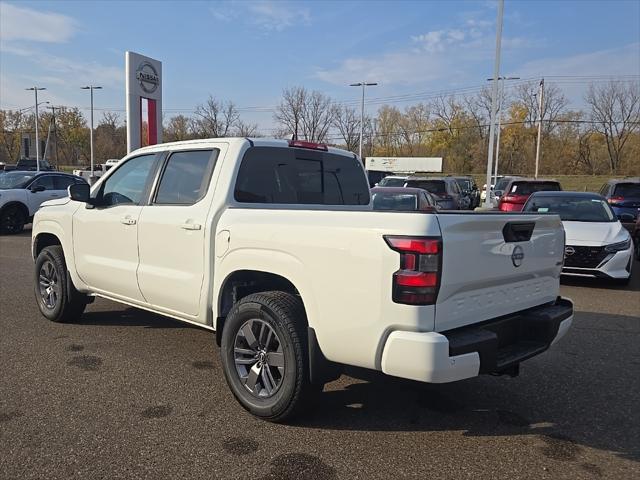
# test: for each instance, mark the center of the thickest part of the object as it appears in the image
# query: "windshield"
(15, 180)
(502, 184)
(392, 182)
(464, 183)
(395, 201)
(627, 190)
(437, 187)
(572, 209)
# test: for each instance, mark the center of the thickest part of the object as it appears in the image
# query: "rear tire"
(265, 355)
(12, 220)
(57, 298)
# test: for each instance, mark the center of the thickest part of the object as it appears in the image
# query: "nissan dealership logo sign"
(147, 77)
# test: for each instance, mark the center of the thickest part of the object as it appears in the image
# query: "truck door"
(174, 243)
(105, 236)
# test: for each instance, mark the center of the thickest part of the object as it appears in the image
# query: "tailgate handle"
(518, 231)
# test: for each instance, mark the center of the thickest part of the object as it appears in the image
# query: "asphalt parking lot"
(127, 394)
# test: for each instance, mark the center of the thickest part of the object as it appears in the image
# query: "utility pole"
(91, 88)
(363, 85)
(496, 73)
(540, 105)
(35, 91)
(55, 130)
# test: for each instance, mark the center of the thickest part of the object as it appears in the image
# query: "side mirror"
(80, 192)
(37, 188)
(626, 217)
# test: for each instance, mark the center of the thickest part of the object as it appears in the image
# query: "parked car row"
(450, 193)
(602, 230)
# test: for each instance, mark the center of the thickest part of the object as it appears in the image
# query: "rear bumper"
(490, 347)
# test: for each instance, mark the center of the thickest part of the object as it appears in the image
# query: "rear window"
(392, 182)
(572, 209)
(297, 176)
(627, 190)
(395, 201)
(434, 186)
(527, 188)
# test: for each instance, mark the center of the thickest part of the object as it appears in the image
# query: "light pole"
(91, 88)
(363, 85)
(500, 110)
(35, 91)
(496, 70)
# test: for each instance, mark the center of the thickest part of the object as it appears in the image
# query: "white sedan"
(597, 245)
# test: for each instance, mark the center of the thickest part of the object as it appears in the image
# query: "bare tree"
(554, 104)
(246, 129)
(216, 118)
(291, 109)
(347, 122)
(317, 117)
(615, 107)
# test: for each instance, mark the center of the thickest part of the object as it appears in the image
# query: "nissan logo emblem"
(148, 78)
(517, 256)
(568, 251)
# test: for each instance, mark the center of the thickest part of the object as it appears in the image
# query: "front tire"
(57, 298)
(264, 355)
(12, 220)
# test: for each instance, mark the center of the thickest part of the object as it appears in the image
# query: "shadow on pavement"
(569, 396)
(130, 317)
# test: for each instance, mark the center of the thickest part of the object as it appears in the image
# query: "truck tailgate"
(496, 264)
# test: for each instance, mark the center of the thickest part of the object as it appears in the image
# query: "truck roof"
(258, 142)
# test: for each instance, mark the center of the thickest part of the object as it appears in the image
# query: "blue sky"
(249, 51)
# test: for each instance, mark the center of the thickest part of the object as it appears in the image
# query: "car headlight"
(618, 247)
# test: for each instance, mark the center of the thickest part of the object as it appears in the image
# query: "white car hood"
(594, 233)
(56, 201)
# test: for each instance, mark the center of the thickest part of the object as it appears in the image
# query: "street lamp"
(91, 88)
(494, 95)
(363, 85)
(35, 91)
(500, 110)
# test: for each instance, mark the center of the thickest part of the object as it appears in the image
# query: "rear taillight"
(614, 200)
(418, 280)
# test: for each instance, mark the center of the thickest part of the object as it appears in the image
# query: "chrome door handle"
(128, 221)
(191, 226)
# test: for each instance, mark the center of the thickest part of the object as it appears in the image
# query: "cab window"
(127, 184)
(186, 177)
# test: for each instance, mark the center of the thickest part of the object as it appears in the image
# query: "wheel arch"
(15, 203)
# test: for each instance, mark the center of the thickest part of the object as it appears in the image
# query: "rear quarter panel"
(341, 266)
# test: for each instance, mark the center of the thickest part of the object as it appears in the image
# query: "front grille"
(584, 257)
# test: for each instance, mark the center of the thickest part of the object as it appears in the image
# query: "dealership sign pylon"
(144, 100)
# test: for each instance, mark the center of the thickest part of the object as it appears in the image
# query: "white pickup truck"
(274, 246)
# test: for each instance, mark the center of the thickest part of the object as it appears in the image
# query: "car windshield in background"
(464, 184)
(394, 201)
(392, 182)
(527, 188)
(15, 180)
(573, 209)
(627, 190)
(437, 187)
(501, 184)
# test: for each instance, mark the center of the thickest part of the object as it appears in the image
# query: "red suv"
(519, 190)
